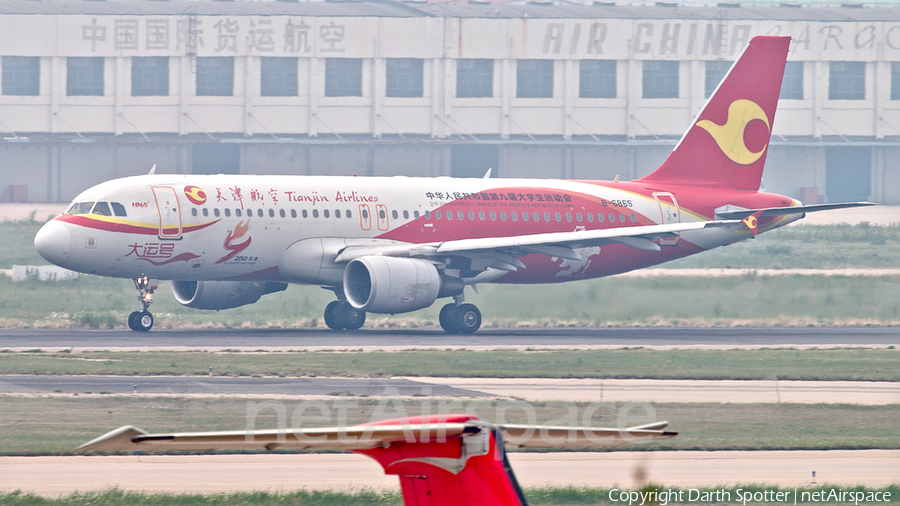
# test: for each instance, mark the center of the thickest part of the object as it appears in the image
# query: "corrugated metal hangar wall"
(392, 88)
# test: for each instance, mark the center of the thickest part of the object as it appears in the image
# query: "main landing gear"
(340, 315)
(142, 320)
(457, 318)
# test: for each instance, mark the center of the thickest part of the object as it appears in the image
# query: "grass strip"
(56, 425)
(545, 496)
(750, 300)
(116, 497)
(864, 364)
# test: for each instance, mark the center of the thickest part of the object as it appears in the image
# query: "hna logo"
(195, 195)
(742, 138)
(140, 204)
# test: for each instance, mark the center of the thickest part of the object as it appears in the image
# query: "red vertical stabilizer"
(726, 145)
(470, 469)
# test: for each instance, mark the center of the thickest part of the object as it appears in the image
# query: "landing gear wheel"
(132, 323)
(341, 315)
(143, 321)
(332, 315)
(352, 318)
(446, 318)
(466, 319)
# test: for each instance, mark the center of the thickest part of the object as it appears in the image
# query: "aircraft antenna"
(487, 175)
(153, 169)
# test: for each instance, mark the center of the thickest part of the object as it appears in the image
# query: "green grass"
(91, 302)
(785, 364)
(122, 498)
(543, 496)
(56, 425)
(807, 247)
(17, 246)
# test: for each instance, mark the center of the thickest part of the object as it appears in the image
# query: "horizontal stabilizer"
(360, 437)
(530, 436)
(379, 434)
(734, 213)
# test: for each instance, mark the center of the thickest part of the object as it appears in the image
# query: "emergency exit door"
(669, 213)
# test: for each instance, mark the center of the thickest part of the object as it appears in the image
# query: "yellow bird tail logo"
(742, 138)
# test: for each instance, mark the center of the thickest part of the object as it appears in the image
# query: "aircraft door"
(169, 212)
(365, 217)
(381, 209)
(670, 213)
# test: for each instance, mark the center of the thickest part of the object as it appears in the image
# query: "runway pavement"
(529, 389)
(641, 390)
(223, 385)
(436, 338)
(278, 473)
(287, 472)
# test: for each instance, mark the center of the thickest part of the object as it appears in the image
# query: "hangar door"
(474, 161)
(848, 173)
(215, 159)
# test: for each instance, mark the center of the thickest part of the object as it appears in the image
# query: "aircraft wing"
(367, 437)
(730, 213)
(559, 244)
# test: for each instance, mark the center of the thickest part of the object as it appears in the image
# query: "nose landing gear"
(142, 320)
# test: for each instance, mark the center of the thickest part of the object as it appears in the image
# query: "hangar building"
(93, 90)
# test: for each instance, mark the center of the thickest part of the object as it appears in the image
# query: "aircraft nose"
(53, 241)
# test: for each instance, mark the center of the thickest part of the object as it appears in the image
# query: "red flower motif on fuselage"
(233, 249)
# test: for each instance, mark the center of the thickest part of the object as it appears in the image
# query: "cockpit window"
(119, 209)
(101, 208)
(80, 208)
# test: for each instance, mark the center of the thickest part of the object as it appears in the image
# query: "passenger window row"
(448, 215)
(326, 213)
(525, 216)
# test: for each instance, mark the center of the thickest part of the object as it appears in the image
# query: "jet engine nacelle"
(222, 294)
(382, 284)
(312, 261)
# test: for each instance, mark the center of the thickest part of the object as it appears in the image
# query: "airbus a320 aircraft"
(397, 244)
